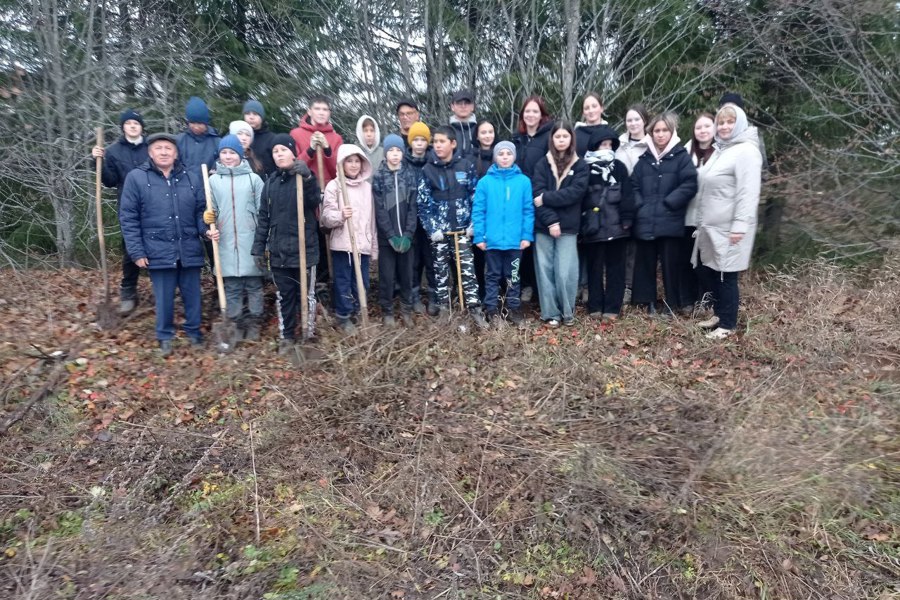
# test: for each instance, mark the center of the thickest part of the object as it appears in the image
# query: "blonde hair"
(669, 118)
(726, 111)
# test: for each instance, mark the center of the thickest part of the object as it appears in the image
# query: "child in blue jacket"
(503, 222)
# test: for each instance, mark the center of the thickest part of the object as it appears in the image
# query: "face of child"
(419, 145)
(463, 109)
(592, 110)
(245, 139)
(725, 125)
(531, 115)
(634, 124)
(319, 113)
(486, 135)
(229, 157)
(283, 156)
(394, 157)
(661, 135)
(505, 159)
(443, 146)
(605, 145)
(703, 130)
(369, 134)
(562, 139)
(198, 128)
(253, 119)
(352, 166)
(163, 154)
(132, 129)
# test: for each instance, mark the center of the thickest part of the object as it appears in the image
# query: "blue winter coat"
(236, 193)
(121, 158)
(162, 219)
(194, 150)
(662, 191)
(445, 194)
(503, 209)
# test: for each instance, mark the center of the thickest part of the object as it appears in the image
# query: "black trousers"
(394, 269)
(423, 260)
(667, 252)
(130, 274)
(288, 295)
(605, 258)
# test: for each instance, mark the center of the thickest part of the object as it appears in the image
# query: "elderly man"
(161, 214)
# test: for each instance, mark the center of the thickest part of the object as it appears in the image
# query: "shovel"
(357, 268)
(459, 284)
(223, 331)
(107, 318)
(320, 168)
(301, 240)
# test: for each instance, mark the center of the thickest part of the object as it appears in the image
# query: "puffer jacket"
(663, 188)
(614, 204)
(445, 194)
(236, 192)
(121, 158)
(728, 200)
(276, 228)
(417, 162)
(503, 209)
(359, 192)
(563, 194)
(395, 195)
(196, 150)
(162, 218)
(531, 149)
(630, 151)
(375, 153)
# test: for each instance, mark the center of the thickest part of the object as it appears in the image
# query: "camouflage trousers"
(444, 256)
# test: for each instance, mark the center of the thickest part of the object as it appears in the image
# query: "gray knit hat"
(505, 146)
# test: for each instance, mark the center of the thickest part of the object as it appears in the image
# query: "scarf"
(601, 163)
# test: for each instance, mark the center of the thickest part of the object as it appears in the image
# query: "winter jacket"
(466, 136)
(484, 160)
(563, 194)
(614, 204)
(583, 133)
(503, 209)
(276, 227)
(445, 194)
(262, 148)
(162, 218)
(630, 151)
(729, 186)
(375, 154)
(690, 216)
(662, 190)
(196, 150)
(417, 162)
(236, 192)
(395, 195)
(359, 192)
(121, 158)
(531, 150)
(302, 135)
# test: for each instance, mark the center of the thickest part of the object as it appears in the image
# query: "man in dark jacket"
(119, 159)
(255, 116)
(161, 214)
(464, 122)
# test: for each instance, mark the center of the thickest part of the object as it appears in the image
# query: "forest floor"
(635, 460)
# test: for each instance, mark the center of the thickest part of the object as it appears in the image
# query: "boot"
(419, 308)
(346, 326)
(236, 337)
(516, 317)
(251, 334)
(165, 347)
(285, 346)
(388, 322)
(127, 302)
(478, 317)
(407, 318)
(433, 309)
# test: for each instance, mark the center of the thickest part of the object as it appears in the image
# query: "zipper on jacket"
(397, 201)
(234, 226)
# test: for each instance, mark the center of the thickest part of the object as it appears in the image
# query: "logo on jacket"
(462, 177)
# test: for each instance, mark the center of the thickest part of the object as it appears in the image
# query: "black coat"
(583, 137)
(466, 138)
(262, 149)
(121, 158)
(662, 191)
(561, 204)
(609, 209)
(276, 229)
(530, 150)
(483, 160)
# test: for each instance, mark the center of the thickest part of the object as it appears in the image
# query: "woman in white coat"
(728, 198)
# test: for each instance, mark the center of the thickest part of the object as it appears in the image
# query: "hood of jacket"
(471, 119)
(750, 135)
(242, 169)
(345, 150)
(307, 124)
(495, 171)
(359, 133)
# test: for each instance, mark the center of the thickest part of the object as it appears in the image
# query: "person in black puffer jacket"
(606, 219)
(483, 159)
(664, 181)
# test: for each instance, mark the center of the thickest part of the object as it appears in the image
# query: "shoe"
(609, 317)
(251, 334)
(127, 306)
(236, 337)
(196, 341)
(516, 317)
(709, 323)
(597, 316)
(719, 333)
(419, 308)
(568, 321)
(346, 326)
(443, 313)
(527, 294)
(285, 346)
(478, 317)
(407, 319)
(552, 323)
(626, 299)
(165, 347)
(388, 321)
(584, 295)
(491, 315)
(433, 309)
(651, 308)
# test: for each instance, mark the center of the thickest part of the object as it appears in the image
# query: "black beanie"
(129, 114)
(283, 139)
(732, 98)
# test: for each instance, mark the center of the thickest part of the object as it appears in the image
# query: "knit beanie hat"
(254, 106)
(394, 141)
(731, 98)
(505, 146)
(129, 114)
(196, 111)
(283, 139)
(235, 127)
(231, 142)
(418, 129)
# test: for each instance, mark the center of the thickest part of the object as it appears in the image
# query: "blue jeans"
(187, 280)
(502, 264)
(556, 266)
(346, 296)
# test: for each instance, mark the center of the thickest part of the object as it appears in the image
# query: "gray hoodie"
(374, 153)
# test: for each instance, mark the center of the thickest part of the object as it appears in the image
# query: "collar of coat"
(565, 171)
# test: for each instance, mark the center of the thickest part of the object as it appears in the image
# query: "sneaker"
(719, 333)
(527, 294)
(584, 295)
(478, 317)
(165, 347)
(127, 306)
(709, 323)
(596, 315)
(407, 319)
(346, 326)
(626, 299)
(608, 317)
(196, 341)
(516, 317)
(568, 321)
(419, 308)
(552, 323)
(251, 334)
(388, 321)
(285, 346)
(491, 315)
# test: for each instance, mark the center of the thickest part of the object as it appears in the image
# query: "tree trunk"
(573, 19)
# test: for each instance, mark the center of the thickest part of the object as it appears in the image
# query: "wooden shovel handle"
(220, 284)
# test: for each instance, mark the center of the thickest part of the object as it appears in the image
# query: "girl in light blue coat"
(236, 192)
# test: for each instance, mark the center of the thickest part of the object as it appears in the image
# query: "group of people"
(558, 206)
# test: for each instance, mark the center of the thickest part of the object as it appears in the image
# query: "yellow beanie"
(418, 129)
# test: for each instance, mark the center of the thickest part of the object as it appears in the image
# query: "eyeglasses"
(408, 113)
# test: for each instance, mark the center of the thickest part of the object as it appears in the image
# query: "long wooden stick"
(357, 267)
(320, 172)
(220, 284)
(98, 206)
(301, 240)
(459, 287)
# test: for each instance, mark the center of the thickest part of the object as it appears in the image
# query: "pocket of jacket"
(160, 235)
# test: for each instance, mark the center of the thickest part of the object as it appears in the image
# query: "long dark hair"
(480, 167)
(562, 159)
(255, 165)
(545, 115)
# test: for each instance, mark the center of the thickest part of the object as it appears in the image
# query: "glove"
(209, 217)
(395, 243)
(300, 168)
(405, 244)
(470, 231)
(260, 262)
(437, 237)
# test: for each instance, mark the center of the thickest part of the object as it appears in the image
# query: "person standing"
(368, 134)
(463, 121)
(161, 215)
(592, 113)
(632, 144)
(316, 131)
(243, 131)
(418, 150)
(700, 149)
(255, 116)
(119, 159)
(199, 143)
